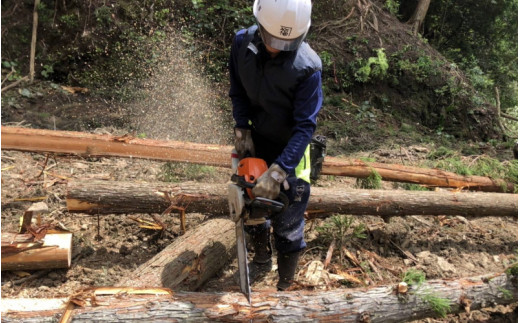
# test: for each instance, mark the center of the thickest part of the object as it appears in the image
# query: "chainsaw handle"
(240, 181)
(282, 199)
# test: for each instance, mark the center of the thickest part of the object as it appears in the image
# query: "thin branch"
(7, 77)
(25, 78)
(507, 116)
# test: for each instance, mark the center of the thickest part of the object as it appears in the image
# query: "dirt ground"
(109, 247)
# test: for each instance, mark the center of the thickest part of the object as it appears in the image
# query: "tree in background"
(479, 36)
(418, 16)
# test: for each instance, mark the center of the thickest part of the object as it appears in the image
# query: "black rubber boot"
(287, 264)
(262, 262)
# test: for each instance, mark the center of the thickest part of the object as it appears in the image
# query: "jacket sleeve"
(237, 93)
(307, 104)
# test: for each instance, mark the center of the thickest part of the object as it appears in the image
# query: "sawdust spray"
(179, 103)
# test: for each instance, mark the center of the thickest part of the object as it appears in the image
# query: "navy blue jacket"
(279, 98)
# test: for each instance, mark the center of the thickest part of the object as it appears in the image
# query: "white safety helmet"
(283, 24)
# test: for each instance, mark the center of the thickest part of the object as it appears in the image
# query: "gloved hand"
(268, 184)
(244, 143)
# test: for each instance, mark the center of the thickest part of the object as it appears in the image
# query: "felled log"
(87, 144)
(416, 175)
(190, 260)
(375, 304)
(22, 252)
(104, 197)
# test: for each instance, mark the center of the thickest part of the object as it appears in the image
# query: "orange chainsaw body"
(251, 169)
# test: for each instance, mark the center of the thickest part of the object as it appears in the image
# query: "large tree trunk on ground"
(408, 174)
(104, 197)
(375, 304)
(190, 260)
(86, 144)
(21, 252)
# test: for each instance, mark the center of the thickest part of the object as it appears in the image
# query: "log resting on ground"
(374, 304)
(22, 252)
(104, 197)
(190, 260)
(91, 145)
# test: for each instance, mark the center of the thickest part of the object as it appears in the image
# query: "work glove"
(244, 143)
(268, 184)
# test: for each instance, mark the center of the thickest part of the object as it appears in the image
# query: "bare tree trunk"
(103, 197)
(375, 304)
(86, 144)
(33, 40)
(418, 16)
(190, 260)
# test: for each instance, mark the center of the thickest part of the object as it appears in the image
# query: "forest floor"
(108, 248)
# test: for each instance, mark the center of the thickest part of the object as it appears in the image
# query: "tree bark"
(102, 197)
(416, 175)
(418, 16)
(86, 144)
(21, 252)
(375, 304)
(190, 260)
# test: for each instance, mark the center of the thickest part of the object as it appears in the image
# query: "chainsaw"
(243, 205)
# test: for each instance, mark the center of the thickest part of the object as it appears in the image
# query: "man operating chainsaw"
(276, 94)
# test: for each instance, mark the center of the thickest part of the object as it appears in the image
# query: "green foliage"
(414, 277)
(392, 6)
(449, 160)
(47, 71)
(440, 305)
(366, 112)
(341, 229)
(412, 187)
(488, 51)
(513, 270)
(11, 69)
(176, 172)
(326, 59)
(103, 16)
(506, 294)
(441, 152)
(373, 68)
(372, 182)
(453, 165)
(70, 21)
(421, 69)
